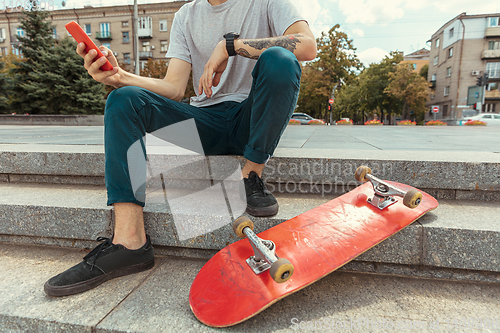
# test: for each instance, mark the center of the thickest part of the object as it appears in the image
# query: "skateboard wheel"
(281, 270)
(412, 198)
(361, 173)
(241, 223)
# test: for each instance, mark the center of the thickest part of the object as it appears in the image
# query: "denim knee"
(126, 101)
(280, 65)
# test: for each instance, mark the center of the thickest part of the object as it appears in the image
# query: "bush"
(316, 122)
(406, 123)
(344, 122)
(373, 122)
(475, 123)
(435, 123)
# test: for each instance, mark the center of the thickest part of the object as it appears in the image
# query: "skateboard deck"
(226, 291)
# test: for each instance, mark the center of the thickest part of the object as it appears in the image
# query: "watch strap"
(230, 37)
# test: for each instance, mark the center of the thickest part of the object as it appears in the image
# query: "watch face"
(231, 35)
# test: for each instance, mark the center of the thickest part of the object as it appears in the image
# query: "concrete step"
(157, 301)
(446, 175)
(460, 238)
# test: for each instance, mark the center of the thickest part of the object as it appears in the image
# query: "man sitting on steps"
(244, 56)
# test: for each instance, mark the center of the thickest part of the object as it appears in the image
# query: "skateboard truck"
(264, 257)
(385, 192)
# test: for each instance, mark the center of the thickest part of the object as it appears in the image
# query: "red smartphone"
(80, 36)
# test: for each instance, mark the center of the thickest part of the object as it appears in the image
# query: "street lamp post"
(136, 38)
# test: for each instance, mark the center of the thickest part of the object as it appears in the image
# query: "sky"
(376, 27)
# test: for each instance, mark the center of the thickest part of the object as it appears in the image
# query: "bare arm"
(172, 86)
(297, 39)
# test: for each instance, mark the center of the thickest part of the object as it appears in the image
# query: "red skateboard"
(250, 275)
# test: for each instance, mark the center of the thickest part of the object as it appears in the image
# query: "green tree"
(37, 38)
(60, 84)
(51, 78)
(348, 102)
(424, 71)
(336, 64)
(3, 89)
(410, 88)
(373, 83)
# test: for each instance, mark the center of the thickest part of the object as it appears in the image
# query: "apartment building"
(462, 50)
(110, 26)
(417, 59)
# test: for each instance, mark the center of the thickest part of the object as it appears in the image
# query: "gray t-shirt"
(198, 27)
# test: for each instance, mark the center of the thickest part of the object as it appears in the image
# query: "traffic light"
(475, 106)
(480, 81)
(486, 76)
(329, 107)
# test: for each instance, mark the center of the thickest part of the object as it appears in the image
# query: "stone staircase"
(54, 195)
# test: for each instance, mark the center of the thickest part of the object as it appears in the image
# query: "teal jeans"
(251, 128)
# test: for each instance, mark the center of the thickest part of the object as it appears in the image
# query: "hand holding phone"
(80, 36)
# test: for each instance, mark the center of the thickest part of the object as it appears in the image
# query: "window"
(108, 45)
(493, 22)
(145, 22)
(124, 23)
(448, 72)
(447, 91)
(164, 46)
(16, 51)
(20, 32)
(452, 32)
(163, 25)
(414, 66)
(433, 96)
(146, 47)
(2, 34)
(494, 45)
(105, 32)
(54, 33)
(3, 51)
(126, 38)
(450, 52)
(435, 61)
(87, 29)
(492, 86)
(493, 69)
(437, 43)
(126, 58)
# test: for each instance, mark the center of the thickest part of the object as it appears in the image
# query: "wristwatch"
(230, 37)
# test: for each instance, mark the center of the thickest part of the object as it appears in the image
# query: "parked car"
(304, 118)
(491, 119)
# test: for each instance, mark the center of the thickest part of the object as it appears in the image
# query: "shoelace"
(97, 251)
(257, 184)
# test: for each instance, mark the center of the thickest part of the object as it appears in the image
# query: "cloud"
(371, 11)
(308, 9)
(455, 7)
(373, 55)
(357, 33)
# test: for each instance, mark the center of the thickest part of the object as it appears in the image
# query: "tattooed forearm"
(244, 53)
(288, 42)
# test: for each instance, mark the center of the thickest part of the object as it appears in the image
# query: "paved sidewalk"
(156, 301)
(377, 138)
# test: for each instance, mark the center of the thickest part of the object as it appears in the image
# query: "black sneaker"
(260, 202)
(107, 261)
